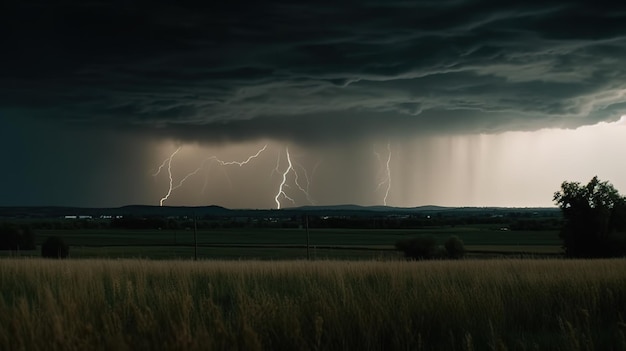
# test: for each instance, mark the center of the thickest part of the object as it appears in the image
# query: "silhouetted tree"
(454, 247)
(595, 219)
(54, 247)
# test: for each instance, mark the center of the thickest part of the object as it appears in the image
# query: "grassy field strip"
(507, 304)
(221, 252)
(552, 249)
(475, 236)
(275, 252)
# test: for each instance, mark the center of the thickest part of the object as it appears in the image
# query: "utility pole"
(195, 237)
(306, 223)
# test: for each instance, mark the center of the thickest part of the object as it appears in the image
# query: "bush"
(419, 248)
(454, 247)
(54, 247)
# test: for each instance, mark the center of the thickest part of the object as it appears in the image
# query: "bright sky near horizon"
(511, 169)
(282, 103)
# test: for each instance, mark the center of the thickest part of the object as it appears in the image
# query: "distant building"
(78, 217)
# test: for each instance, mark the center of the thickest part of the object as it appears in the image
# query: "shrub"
(454, 247)
(419, 248)
(54, 247)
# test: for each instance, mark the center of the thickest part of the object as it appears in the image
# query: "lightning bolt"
(292, 168)
(301, 178)
(220, 162)
(283, 184)
(388, 174)
(167, 161)
(309, 179)
(204, 162)
(305, 189)
(386, 179)
(240, 164)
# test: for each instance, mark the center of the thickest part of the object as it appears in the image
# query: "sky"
(275, 104)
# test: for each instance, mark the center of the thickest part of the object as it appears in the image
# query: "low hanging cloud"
(314, 71)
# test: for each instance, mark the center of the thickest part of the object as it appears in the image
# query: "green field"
(276, 244)
(508, 304)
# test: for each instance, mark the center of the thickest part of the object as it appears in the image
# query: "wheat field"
(321, 305)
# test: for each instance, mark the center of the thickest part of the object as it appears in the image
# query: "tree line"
(593, 225)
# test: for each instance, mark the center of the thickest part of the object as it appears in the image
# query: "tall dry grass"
(299, 305)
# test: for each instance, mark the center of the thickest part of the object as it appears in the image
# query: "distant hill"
(418, 209)
(217, 211)
(372, 208)
(132, 210)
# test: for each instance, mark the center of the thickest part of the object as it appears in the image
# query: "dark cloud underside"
(317, 70)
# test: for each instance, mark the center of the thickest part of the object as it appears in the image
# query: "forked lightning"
(204, 162)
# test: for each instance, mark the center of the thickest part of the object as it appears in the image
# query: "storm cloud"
(314, 71)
